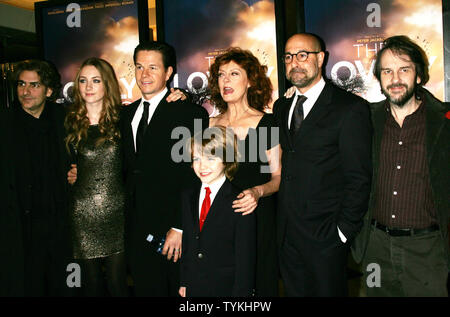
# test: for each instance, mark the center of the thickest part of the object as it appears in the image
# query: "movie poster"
(105, 29)
(211, 27)
(354, 30)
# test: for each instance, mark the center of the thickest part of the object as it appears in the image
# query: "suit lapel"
(284, 114)
(320, 108)
(129, 129)
(159, 111)
(435, 121)
(194, 208)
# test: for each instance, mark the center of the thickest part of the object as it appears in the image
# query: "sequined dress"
(98, 195)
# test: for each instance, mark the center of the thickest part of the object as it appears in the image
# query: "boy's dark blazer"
(153, 184)
(220, 260)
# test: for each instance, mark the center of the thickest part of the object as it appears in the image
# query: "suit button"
(288, 178)
(200, 255)
(197, 237)
(136, 171)
(27, 212)
(291, 151)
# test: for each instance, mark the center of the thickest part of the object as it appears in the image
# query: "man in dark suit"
(326, 172)
(405, 235)
(154, 177)
(34, 163)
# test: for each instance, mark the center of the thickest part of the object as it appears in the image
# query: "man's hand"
(290, 92)
(72, 174)
(172, 246)
(175, 94)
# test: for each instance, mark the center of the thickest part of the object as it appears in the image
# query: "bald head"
(310, 40)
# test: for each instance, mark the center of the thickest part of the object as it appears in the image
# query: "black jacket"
(438, 158)
(154, 180)
(326, 168)
(220, 260)
(16, 166)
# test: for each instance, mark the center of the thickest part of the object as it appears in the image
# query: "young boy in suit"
(218, 244)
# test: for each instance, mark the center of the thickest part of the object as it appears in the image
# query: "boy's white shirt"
(214, 187)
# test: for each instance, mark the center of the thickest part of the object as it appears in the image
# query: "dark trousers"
(409, 266)
(314, 269)
(44, 270)
(267, 267)
(153, 275)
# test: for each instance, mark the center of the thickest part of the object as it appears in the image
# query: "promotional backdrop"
(105, 29)
(354, 30)
(211, 27)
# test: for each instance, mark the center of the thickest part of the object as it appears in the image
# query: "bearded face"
(398, 78)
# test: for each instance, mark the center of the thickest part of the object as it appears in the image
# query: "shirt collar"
(313, 93)
(214, 187)
(155, 100)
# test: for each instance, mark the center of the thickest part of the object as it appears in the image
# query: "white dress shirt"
(312, 95)
(214, 187)
(154, 102)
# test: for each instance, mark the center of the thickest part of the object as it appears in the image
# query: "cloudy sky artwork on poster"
(353, 39)
(107, 29)
(211, 27)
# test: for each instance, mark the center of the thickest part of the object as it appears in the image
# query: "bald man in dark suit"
(325, 134)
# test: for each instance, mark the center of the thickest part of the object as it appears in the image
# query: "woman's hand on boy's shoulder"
(247, 201)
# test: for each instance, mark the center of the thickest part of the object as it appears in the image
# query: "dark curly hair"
(77, 122)
(47, 72)
(403, 45)
(259, 93)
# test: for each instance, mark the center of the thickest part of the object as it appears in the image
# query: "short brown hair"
(221, 142)
(260, 91)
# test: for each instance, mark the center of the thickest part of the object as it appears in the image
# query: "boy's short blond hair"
(220, 142)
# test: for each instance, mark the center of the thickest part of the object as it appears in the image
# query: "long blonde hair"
(77, 122)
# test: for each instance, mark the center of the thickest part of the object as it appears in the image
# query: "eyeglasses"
(301, 56)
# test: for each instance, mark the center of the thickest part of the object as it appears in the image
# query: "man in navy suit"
(153, 178)
(325, 134)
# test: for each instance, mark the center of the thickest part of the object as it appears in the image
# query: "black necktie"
(142, 127)
(297, 115)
